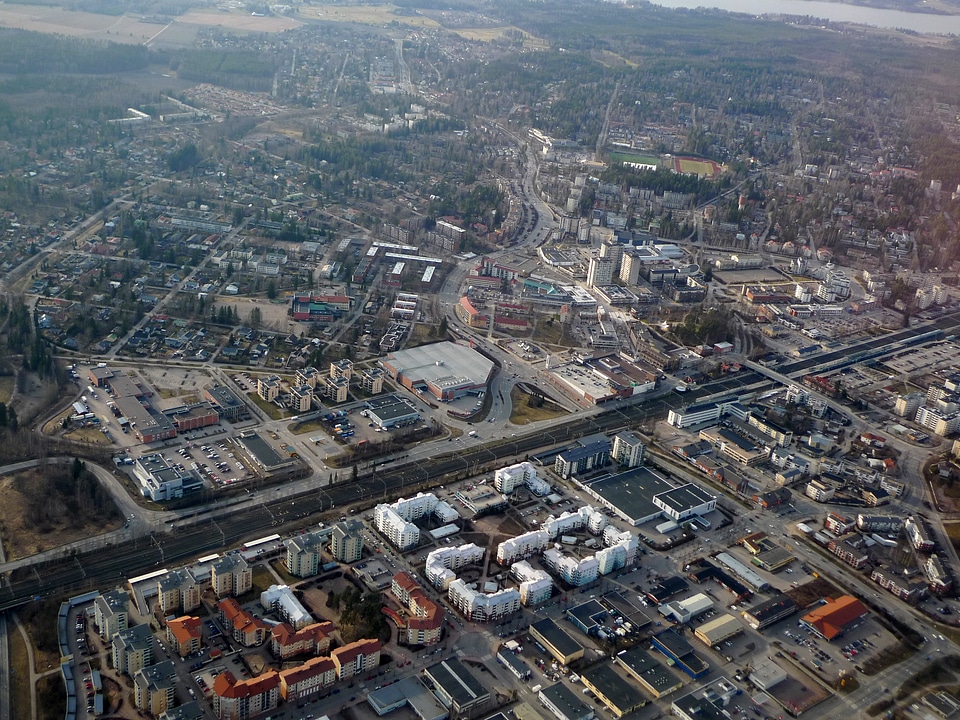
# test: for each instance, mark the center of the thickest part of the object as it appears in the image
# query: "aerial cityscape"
(507, 360)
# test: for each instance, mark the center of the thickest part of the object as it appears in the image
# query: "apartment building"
(132, 649)
(305, 681)
(241, 625)
(231, 575)
(178, 592)
(304, 553)
(356, 658)
(521, 546)
(481, 607)
(401, 533)
(242, 699)
(110, 612)
(268, 388)
(346, 543)
(424, 624)
(154, 688)
(286, 641)
(184, 634)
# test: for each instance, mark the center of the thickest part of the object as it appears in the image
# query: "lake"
(835, 12)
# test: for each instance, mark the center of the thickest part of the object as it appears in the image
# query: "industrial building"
(564, 703)
(681, 653)
(614, 691)
(768, 612)
(652, 675)
(456, 687)
(640, 495)
(723, 627)
(558, 643)
(694, 415)
(391, 411)
(445, 370)
(706, 703)
(683, 611)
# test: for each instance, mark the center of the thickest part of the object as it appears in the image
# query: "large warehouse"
(446, 370)
(639, 495)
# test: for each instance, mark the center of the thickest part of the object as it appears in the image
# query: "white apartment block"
(586, 516)
(480, 607)
(936, 421)
(443, 563)
(536, 586)
(575, 571)
(907, 405)
(401, 533)
(414, 508)
(522, 546)
(508, 479)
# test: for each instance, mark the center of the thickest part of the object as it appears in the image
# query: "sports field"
(617, 156)
(696, 166)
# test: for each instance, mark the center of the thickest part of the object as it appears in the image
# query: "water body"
(927, 24)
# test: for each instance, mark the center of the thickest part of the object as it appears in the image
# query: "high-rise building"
(346, 543)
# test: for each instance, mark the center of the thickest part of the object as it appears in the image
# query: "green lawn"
(272, 411)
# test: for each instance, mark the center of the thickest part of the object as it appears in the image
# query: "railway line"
(225, 529)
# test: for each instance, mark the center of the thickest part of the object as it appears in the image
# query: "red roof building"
(425, 620)
(242, 626)
(835, 617)
(241, 699)
(286, 642)
(308, 679)
(183, 633)
(356, 658)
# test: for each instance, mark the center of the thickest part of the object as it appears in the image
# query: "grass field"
(272, 411)
(280, 568)
(87, 434)
(369, 15)
(612, 59)
(695, 166)
(530, 42)
(19, 672)
(627, 157)
(522, 414)
(311, 426)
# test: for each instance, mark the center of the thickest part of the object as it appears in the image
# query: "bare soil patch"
(44, 507)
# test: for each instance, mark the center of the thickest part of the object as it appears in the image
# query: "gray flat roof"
(407, 691)
(387, 412)
(563, 698)
(685, 497)
(631, 491)
(643, 664)
(123, 386)
(260, 448)
(613, 687)
(456, 681)
(224, 396)
(587, 612)
(443, 364)
(555, 635)
(138, 415)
